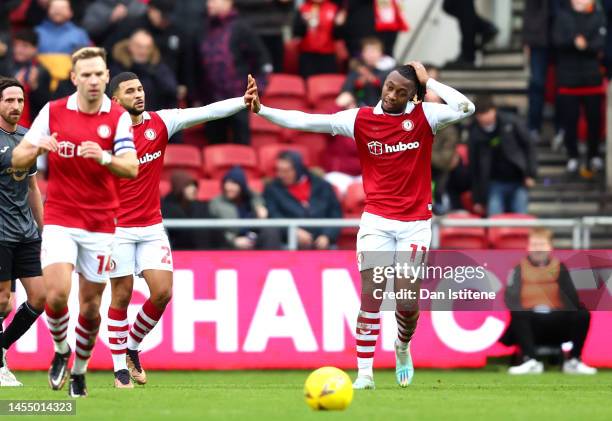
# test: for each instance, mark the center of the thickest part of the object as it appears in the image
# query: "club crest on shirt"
(150, 134)
(407, 125)
(104, 131)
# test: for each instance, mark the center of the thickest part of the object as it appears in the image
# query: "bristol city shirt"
(394, 150)
(140, 205)
(81, 193)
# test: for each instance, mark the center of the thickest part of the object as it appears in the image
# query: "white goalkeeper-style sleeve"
(457, 106)
(341, 123)
(178, 119)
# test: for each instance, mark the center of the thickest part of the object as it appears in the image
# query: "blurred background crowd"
(535, 147)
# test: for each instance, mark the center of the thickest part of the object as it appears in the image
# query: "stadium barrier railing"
(590, 222)
(580, 227)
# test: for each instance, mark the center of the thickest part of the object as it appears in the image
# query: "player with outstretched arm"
(89, 142)
(141, 244)
(394, 141)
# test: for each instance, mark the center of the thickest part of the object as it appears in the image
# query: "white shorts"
(89, 252)
(385, 242)
(140, 248)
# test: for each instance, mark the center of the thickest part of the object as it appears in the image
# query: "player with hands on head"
(394, 141)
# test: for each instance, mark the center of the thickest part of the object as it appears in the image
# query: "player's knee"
(160, 298)
(37, 300)
(121, 298)
(90, 310)
(57, 300)
(5, 302)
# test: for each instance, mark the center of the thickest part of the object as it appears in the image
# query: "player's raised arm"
(341, 123)
(183, 118)
(37, 141)
(457, 106)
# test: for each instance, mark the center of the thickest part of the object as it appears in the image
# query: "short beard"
(134, 111)
(7, 120)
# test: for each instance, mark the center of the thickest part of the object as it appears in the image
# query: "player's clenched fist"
(92, 150)
(48, 143)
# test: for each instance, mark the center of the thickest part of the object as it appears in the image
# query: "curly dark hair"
(408, 72)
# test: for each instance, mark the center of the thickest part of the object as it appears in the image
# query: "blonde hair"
(88, 52)
(542, 233)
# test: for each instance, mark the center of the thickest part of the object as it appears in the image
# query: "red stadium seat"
(509, 237)
(353, 204)
(264, 132)
(164, 188)
(284, 85)
(316, 143)
(256, 184)
(456, 238)
(208, 189)
(287, 92)
(220, 158)
(287, 103)
(323, 90)
(267, 156)
(354, 200)
(182, 157)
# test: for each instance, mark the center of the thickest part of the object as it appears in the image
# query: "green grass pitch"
(277, 395)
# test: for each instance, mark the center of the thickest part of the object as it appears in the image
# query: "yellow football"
(328, 388)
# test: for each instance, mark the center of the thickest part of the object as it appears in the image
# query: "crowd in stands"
(194, 52)
(574, 35)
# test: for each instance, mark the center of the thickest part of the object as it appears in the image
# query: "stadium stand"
(509, 237)
(267, 156)
(182, 157)
(219, 158)
(455, 238)
(323, 91)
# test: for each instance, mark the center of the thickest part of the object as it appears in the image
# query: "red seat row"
(215, 160)
(318, 92)
(481, 238)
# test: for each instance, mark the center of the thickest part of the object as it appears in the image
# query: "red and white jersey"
(81, 193)
(140, 205)
(140, 197)
(395, 155)
(394, 150)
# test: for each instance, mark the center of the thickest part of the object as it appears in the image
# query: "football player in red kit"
(89, 143)
(394, 140)
(141, 244)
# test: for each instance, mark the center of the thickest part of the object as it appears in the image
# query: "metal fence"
(580, 227)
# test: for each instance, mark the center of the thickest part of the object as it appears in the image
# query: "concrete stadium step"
(564, 196)
(566, 210)
(511, 60)
(487, 80)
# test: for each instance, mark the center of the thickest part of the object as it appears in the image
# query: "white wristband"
(106, 158)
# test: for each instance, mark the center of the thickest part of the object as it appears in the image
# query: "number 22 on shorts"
(166, 256)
